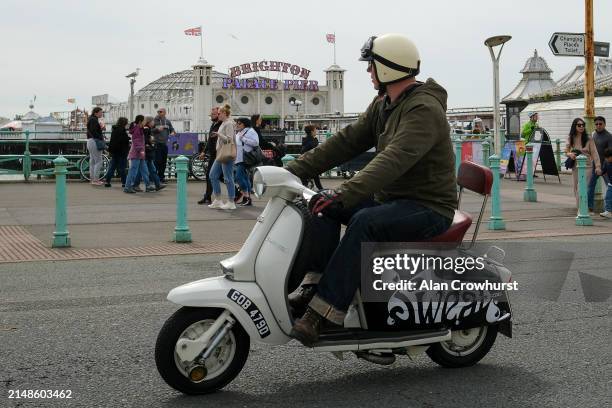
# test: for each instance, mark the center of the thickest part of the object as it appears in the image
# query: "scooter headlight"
(259, 184)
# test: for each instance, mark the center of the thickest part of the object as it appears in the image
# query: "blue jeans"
(227, 169)
(608, 198)
(242, 177)
(591, 187)
(153, 177)
(137, 167)
(118, 163)
(395, 221)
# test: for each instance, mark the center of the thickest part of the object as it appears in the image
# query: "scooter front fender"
(245, 301)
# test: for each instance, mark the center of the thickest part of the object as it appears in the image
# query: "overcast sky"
(60, 49)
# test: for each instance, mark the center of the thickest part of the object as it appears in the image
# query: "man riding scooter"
(407, 193)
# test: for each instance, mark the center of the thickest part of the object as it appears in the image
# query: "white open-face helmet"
(394, 56)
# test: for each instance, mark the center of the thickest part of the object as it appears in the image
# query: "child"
(608, 170)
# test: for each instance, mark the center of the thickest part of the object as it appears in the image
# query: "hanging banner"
(182, 144)
(471, 150)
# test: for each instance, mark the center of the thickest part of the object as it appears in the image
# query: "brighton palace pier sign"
(304, 84)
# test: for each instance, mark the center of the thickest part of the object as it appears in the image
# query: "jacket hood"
(133, 128)
(432, 88)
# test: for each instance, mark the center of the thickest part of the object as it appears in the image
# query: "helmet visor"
(367, 52)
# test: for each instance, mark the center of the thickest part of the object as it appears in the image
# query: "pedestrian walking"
(246, 141)
(309, 142)
(95, 145)
(162, 129)
(136, 156)
(603, 141)
(150, 149)
(224, 162)
(118, 147)
(579, 142)
(210, 153)
(607, 170)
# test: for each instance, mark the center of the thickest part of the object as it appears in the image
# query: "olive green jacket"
(414, 159)
(527, 131)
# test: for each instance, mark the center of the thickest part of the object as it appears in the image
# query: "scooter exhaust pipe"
(382, 359)
(197, 373)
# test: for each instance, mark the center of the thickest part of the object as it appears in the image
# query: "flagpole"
(334, 48)
(201, 44)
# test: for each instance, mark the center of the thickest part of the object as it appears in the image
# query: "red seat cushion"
(461, 223)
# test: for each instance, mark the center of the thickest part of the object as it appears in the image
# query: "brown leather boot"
(306, 330)
(299, 300)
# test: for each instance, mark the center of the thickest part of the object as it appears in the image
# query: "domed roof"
(31, 115)
(536, 64)
(536, 78)
(177, 84)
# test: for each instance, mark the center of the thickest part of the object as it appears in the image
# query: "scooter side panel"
(243, 262)
(244, 300)
(274, 261)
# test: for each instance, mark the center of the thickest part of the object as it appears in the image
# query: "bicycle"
(84, 167)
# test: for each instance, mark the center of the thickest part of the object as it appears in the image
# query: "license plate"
(251, 309)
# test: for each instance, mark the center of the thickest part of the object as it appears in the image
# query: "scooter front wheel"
(465, 348)
(219, 369)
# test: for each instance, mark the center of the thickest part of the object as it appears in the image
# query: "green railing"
(28, 164)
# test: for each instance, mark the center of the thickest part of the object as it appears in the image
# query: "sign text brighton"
(277, 66)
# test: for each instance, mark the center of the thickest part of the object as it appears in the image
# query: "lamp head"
(497, 40)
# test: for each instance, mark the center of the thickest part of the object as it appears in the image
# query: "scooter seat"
(462, 221)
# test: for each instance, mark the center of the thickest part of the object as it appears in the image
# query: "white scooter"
(204, 345)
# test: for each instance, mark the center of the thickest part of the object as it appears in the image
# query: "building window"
(291, 100)
(335, 84)
(156, 106)
(142, 106)
(244, 100)
(315, 101)
(340, 84)
(268, 100)
(219, 99)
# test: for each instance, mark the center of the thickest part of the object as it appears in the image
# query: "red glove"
(325, 202)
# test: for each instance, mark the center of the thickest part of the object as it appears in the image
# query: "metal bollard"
(486, 152)
(496, 222)
(558, 154)
(181, 231)
(61, 236)
(457, 143)
(27, 160)
(583, 218)
(530, 193)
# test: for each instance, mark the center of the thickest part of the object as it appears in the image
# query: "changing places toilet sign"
(568, 44)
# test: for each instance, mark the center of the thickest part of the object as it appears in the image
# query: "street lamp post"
(132, 78)
(491, 43)
(297, 104)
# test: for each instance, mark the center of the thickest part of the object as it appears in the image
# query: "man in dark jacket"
(406, 193)
(119, 147)
(210, 150)
(161, 130)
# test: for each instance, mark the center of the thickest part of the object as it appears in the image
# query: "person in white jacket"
(246, 140)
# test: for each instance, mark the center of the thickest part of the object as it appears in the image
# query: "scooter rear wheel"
(221, 367)
(466, 347)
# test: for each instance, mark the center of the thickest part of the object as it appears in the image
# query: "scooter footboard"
(244, 300)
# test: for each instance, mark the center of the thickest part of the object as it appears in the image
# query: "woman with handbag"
(248, 155)
(95, 145)
(579, 143)
(224, 162)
